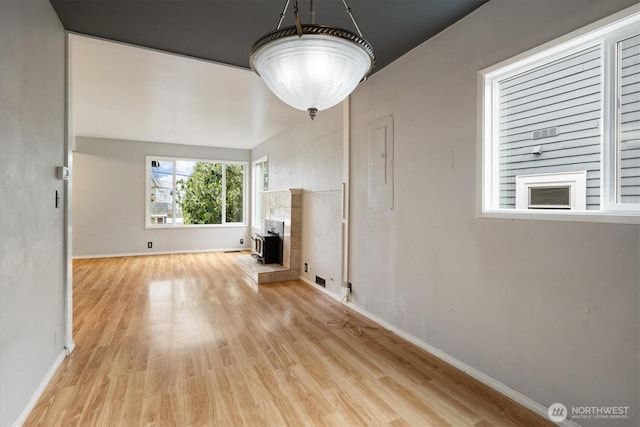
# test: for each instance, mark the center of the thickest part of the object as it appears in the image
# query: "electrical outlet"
(306, 267)
(242, 241)
(347, 287)
(149, 245)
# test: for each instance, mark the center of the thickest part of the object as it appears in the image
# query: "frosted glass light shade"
(314, 71)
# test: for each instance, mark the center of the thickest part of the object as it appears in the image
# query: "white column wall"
(32, 144)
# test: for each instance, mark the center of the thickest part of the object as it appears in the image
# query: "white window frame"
(616, 26)
(147, 203)
(576, 181)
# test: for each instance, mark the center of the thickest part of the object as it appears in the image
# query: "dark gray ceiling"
(224, 30)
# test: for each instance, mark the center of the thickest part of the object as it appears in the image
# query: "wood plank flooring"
(187, 340)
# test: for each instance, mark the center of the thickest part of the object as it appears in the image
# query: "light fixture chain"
(297, 17)
(312, 12)
(355, 24)
(286, 5)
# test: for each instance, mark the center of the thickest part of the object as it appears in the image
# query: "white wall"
(109, 201)
(548, 308)
(308, 155)
(32, 89)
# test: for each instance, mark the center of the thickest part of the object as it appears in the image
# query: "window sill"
(624, 217)
(194, 226)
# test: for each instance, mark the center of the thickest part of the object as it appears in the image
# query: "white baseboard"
(36, 394)
(192, 251)
(498, 386)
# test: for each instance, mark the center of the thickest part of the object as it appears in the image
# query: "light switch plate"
(63, 173)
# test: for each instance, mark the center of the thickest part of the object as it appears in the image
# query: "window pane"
(190, 192)
(199, 186)
(265, 176)
(161, 192)
(549, 123)
(234, 193)
(629, 120)
(549, 196)
(261, 183)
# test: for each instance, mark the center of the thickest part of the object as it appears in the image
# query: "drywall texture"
(32, 92)
(109, 201)
(548, 308)
(308, 155)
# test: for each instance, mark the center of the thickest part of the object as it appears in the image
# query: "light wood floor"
(186, 340)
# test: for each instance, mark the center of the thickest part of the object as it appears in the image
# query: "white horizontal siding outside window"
(628, 120)
(571, 106)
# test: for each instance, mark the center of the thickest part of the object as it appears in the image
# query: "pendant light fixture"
(312, 67)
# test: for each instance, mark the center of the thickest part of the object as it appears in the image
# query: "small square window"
(559, 191)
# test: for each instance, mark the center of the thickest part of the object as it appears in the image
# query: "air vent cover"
(545, 133)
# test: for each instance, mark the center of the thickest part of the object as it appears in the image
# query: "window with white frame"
(190, 192)
(561, 125)
(559, 191)
(260, 184)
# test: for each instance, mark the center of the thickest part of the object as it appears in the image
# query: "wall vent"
(545, 133)
(320, 281)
